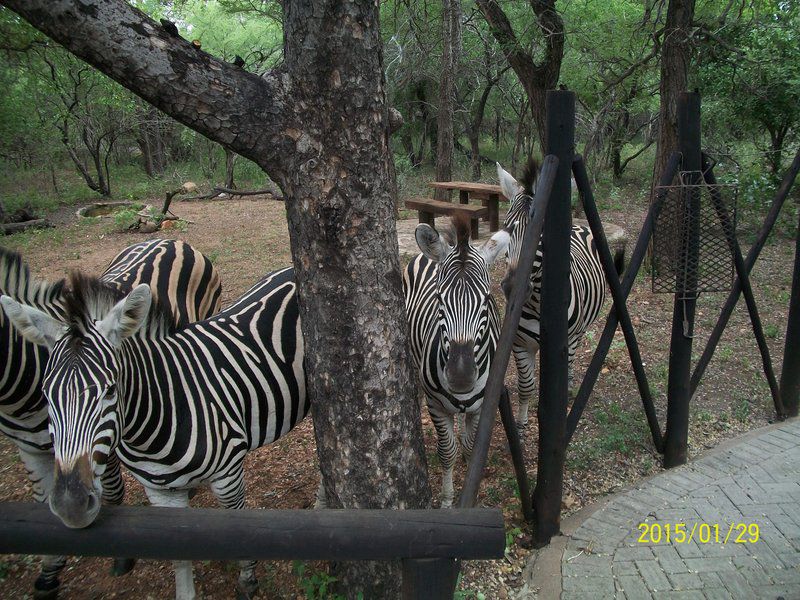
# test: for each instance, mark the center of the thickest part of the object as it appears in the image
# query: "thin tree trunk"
(230, 165)
(676, 52)
(451, 51)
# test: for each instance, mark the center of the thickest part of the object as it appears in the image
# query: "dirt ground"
(611, 448)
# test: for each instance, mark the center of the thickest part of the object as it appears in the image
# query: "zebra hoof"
(247, 592)
(122, 566)
(44, 589)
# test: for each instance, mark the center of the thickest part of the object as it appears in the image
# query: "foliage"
(315, 584)
(747, 65)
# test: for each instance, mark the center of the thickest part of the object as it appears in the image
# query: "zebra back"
(181, 278)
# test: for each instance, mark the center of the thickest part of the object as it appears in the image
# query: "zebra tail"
(619, 261)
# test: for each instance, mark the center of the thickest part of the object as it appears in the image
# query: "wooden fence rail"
(218, 534)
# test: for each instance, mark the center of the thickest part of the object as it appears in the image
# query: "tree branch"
(187, 84)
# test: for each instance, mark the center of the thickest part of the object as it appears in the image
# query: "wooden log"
(790, 374)
(554, 376)
(9, 228)
(620, 308)
(632, 270)
(684, 303)
(218, 534)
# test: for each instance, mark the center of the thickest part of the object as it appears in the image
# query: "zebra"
(183, 278)
(181, 406)
(586, 284)
(453, 328)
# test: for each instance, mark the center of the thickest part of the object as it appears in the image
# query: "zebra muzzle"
(460, 369)
(74, 499)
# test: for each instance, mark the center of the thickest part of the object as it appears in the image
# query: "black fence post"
(680, 350)
(790, 373)
(553, 380)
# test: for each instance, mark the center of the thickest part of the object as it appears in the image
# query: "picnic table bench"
(488, 194)
(429, 208)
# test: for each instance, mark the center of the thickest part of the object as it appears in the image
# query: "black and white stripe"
(182, 278)
(181, 406)
(586, 284)
(453, 327)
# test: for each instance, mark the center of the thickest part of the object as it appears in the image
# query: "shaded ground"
(247, 238)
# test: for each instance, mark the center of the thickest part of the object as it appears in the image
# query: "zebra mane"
(529, 175)
(89, 299)
(17, 281)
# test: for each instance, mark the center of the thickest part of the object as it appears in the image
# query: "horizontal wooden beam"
(218, 534)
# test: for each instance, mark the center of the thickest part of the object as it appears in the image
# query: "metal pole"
(790, 374)
(680, 350)
(553, 380)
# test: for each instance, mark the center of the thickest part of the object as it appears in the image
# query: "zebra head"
(466, 308)
(80, 385)
(518, 217)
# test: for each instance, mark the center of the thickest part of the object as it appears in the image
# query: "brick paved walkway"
(753, 479)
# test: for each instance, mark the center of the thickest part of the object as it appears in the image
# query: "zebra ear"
(508, 184)
(128, 315)
(431, 243)
(33, 324)
(495, 246)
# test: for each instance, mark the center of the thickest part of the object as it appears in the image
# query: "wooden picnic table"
(488, 194)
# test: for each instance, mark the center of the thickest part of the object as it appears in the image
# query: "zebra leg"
(322, 497)
(229, 491)
(447, 451)
(184, 579)
(40, 468)
(525, 359)
(572, 349)
(114, 493)
(468, 431)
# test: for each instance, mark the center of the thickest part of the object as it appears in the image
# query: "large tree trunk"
(319, 128)
(451, 51)
(676, 53)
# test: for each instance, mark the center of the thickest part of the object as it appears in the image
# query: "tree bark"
(676, 53)
(536, 78)
(451, 51)
(318, 126)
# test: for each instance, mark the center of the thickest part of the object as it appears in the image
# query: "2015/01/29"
(705, 533)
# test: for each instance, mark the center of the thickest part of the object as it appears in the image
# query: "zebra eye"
(112, 390)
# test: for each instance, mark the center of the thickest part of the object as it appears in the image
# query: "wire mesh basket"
(693, 205)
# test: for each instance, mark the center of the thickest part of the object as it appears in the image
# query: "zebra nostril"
(91, 502)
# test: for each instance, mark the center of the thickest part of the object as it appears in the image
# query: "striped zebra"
(181, 406)
(181, 277)
(587, 285)
(453, 326)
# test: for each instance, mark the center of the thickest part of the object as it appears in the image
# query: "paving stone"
(737, 585)
(669, 559)
(679, 595)
(596, 585)
(716, 593)
(640, 552)
(653, 576)
(634, 587)
(685, 581)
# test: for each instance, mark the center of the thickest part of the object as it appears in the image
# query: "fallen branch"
(9, 228)
(218, 191)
